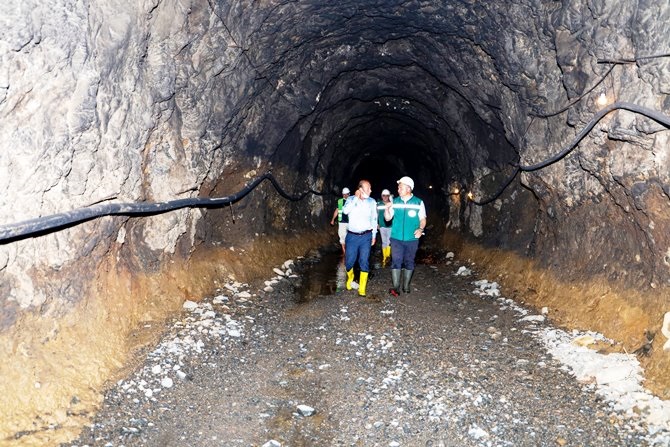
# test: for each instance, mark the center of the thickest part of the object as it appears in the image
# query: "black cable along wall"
(42, 225)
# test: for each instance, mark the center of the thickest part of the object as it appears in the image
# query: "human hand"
(332, 223)
(388, 205)
(418, 233)
(373, 241)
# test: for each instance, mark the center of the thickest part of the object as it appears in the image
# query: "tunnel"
(536, 133)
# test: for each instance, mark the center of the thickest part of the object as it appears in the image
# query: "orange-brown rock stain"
(56, 369)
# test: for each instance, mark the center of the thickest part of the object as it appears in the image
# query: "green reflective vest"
(405, 218)
(380, 220)
(341, 217)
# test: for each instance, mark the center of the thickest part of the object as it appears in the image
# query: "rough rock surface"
(163, 100)
(152, 100)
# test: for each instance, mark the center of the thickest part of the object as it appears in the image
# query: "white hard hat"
(407, 181)
(346, 191)
(386, 192)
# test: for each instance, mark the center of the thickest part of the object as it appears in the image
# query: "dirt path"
(438, 367)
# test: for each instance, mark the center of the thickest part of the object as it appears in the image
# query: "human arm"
(422, 221)
(388, 212)
(348, 204)
(419, 231)
(374, 217)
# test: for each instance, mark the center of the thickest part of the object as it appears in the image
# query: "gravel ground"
(279, 365)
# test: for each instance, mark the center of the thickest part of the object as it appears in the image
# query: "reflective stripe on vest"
(407, 206)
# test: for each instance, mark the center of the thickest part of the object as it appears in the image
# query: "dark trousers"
(358, 248)
(403, 253)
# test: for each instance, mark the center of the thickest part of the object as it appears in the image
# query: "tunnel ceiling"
(456, 93)
(417, 83)
(183, 98)
(153, 101)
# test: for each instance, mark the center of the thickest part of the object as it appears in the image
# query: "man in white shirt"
(362, 233)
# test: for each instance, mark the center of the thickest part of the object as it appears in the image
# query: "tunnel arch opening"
(430, 132)
(186, 100)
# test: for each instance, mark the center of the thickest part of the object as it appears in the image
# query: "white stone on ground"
(190, 305)
(463, 271)
(306, 410)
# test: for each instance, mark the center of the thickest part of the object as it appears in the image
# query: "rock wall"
(131, 101)
(166, 100)
(604, 208)
(124, 102)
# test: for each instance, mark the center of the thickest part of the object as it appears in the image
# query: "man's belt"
(361, 233)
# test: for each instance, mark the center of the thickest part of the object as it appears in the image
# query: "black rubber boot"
(395, 277)
(406, 279)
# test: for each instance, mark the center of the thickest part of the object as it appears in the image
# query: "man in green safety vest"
(409, 222)
(342, 219)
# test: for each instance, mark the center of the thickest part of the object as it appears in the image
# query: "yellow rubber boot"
(350, 278)
(386, 254)
(362, 283)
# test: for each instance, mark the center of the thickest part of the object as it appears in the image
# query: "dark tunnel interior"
(452, 95)
(397, 95)
(383, 137)
(184, 101)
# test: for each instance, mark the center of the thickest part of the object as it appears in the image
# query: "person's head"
(345, 192)
(386, 195)
(405, 186)
(366, 188)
